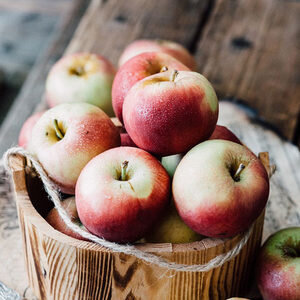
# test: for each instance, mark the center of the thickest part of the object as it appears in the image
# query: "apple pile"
(162, 170)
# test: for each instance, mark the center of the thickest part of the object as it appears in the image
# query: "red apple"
(54, 219)
(121, 193)
(278, 266)
(170, 112)
(174, 49)
(26, 130)
(68, 136)
(81, 77)
(137, 68)
(126, 140)
(223, 133)
(220, 188)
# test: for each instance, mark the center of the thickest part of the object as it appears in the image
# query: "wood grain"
(61, 268)
(249, 51)
(109, 26)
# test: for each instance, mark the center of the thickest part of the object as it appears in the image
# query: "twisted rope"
(54, 196)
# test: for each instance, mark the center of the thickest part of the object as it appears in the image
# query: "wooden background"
(246, 48)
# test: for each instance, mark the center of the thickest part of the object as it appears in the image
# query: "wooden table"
(246, 48)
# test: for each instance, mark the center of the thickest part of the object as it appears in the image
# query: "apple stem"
(58, 132)
(239, 171)
(174, 75)
(124, 166)
(164, 69)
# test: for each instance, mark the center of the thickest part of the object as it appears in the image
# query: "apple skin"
(122, 211)
(126, 140)
(223, 133)
(136, 69)
(171, 162)
(278, 266)
(54, 219)
(88, 131)
(81, 77)
(167, 117)
(207, 197)
(171, 48)
(26, 130)
(171, 229)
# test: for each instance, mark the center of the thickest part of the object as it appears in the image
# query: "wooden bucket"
(60, 267)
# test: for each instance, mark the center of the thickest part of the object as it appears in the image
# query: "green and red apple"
(136, 69)
(55, 220)
(81, 77)
(221, 132)
(68, 136)
(171, 229)
(171, 162)
(220, 188)
(170, 112)
(278, 266)
(26, 130)
(121, 193)
(171, 48)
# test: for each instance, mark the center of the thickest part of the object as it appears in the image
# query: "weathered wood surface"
(31, 93)
(250, 51)
(109, 26)
(61, 268)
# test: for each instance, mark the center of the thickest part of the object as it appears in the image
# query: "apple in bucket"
(137, 68)
(68, 136)
(170, 112)
(55, 220)
(171, 229)
(26, 130)
(169, 47)
(220, 133)
(121, 194)
(278, 266)
(81, 77)
(220, 188)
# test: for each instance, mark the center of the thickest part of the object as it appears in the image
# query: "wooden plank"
(36, 6)
(109, 26)
(33, 89)
(249, 51)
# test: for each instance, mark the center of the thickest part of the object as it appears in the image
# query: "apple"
(220, 188)
(121, 193)
(170, 112)
(223, 133)
(171, 162)
(26, 130)
(137, 68)
(278, 266)
(81, 77)
(174, 49)
(68, 136)
(171, 229)
(54, 219)
(126, 140)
